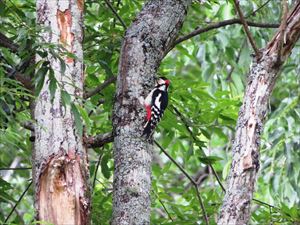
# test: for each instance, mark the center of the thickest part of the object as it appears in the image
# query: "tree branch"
(99, 140)
(28, 125)
(292, 34)
(245, 160)
(18, 72)
(259, 8)
(246, 28)
(228, 78)
(98, 89)
(7, 43)
(116, 14)
(96, 171)
(189, 177)
(19, 200)
(163, 205)
(217, 25)
(16, 168)
(282, 29)
(196, 139)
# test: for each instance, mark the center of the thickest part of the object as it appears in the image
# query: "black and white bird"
(155, 104)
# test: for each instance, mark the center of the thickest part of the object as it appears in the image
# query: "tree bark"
(144, 46)
(60, 160)
(245, 162)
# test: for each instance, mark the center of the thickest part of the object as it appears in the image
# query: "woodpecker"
(155, 104)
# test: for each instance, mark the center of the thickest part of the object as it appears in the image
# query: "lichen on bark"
(245, 162)
(60, 170)
(144, 46)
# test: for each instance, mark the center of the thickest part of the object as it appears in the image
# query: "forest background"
(208, 66)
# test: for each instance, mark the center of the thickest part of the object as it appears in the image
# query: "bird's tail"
(149, 128)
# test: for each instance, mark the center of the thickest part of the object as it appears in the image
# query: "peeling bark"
(145, 44)
(60, 169)
(245, 163)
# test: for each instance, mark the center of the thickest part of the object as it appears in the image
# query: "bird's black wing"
(158, 105)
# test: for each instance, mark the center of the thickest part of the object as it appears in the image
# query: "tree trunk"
(144, 46)
(245, 162)
(60, 160)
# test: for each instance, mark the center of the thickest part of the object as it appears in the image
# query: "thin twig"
(196, 139)
(259, 8)
(163, 205)
(282, 29)
(213, 170)
(101, 101)
(215, 174)
(98, 89)
(19, 200)
(191, 180)
(266, 204)
(7, 43)
(211, 167)
(98, 140)
(17, 168)
(116, 13)
(217, 25)
(246, 28)
(96, 171)
(228, 78)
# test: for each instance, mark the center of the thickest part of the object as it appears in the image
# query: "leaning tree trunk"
(60, 159)
(245, 163)
(145, 43)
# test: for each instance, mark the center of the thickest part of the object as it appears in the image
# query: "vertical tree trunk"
(146, 41)
(60, 159)
(245, 162)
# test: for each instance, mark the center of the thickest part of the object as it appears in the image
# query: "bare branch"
(19, 200)
(282, 29)
(98, 89)
(116, 13)
(245, 160)
(96, 171)
(28, 125)
(213, 170)
(259, 8)
(196, 139)
(19, 76)
(7, 43)
(217, 25)
(101, 101)
(246, 28)
(163, 205)
(291, 35)
(228, 78)
(17, 168)
(189, 177)
(99, 140)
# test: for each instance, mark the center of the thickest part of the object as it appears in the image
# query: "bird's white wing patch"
(158, 101)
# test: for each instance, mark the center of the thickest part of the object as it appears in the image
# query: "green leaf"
(85, 117)
(66, 98)
(40, 78)
(77, 117)
(52, 84)
(62, 65)
(208, 160)
(104, 167)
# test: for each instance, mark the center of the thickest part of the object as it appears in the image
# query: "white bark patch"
(60, 170)
(245, 163)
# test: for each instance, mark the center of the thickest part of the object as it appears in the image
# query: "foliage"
(208, 74)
